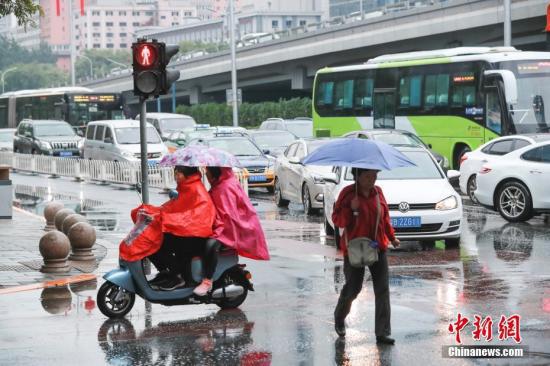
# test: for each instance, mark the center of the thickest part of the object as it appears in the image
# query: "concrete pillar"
(299, 80)
(195, 95)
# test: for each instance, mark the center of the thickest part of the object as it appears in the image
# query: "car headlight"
(448, 203)
(80, 144)
(318, 179)
(127, 154)
(45, 145)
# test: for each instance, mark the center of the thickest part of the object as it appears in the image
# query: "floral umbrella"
(200, 155)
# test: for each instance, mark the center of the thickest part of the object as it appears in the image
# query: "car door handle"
(535, 172)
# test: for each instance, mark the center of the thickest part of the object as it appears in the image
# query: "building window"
(136, 13)
(188, 14)
(175, 13)
(163, 17)
(149, 13)
(109, 24)
(123, 45)
(110, 45)
(108, 13)
(122, 35)
(288, 23)
(109, 35)
(96, 13)
(275, 23)
(302, 23)
(175, 23)
(95, 24)
(123, 13)
(97, 45)
(96, 35)
(122, 24)
(135, 24)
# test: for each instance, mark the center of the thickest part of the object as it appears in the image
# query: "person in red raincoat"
(186, 222)
(237, 225)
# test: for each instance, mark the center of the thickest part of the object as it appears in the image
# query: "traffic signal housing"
(150, 58)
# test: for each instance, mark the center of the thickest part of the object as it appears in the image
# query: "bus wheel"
(459, 151)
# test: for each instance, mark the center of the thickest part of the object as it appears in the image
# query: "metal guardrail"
(99, 170)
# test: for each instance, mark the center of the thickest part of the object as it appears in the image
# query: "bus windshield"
(530, 114)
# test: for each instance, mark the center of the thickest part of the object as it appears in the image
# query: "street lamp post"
(233, 63)
(91, 65)
(3, 73)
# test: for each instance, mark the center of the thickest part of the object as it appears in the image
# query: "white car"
(472, 162)
(517, 187)
(423, 205)
(297, 182)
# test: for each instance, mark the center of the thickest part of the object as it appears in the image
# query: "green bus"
(454, 99)
(75, 105)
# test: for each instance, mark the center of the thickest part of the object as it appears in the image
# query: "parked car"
(301, 127)
(258, 164)
(119, 140)
(165, 123)
(517, 186)
(399, 138)
(273, 143)
(423, 205)
(297, 182)
(472, 161)
(47, 137)
(6, 139)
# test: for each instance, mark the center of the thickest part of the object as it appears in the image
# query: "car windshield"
(314, 145)
(425, 168)
(6, 136)
(398, 139)
(130, 135)
(236, 146)
(170, 124)
(271, 139)
(53, 129)
(300, 129)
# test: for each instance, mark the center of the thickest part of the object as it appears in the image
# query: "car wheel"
(514, 202)
(270, 189)
(458, 155)
(427, 244)
(279, 200)
(471, 186)
(306, 200)
(452, 243)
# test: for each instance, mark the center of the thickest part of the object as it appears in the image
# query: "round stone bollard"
(56, 300)
(49, 214)
(60, 217)
(70, 221)
(54, 247)
(82, 237)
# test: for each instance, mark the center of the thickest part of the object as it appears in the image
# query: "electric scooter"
(231, 283)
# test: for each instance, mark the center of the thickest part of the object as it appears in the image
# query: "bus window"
(324, 93)
(494, 116)
(463, 90)
(436, 90)
(362, 96)
(343, 94)
(410, 91)
(384, 109)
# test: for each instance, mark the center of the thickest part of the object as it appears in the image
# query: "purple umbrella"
(200, 155)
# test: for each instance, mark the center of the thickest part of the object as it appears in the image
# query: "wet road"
(500, 268)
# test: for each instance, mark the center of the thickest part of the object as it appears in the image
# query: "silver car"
(296, 182)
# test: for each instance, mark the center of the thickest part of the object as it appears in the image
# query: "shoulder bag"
(363, 251)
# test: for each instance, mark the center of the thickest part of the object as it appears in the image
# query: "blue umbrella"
(358, 153)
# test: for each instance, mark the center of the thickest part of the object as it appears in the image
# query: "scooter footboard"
(121, 277)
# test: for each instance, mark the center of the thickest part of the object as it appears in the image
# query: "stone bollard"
(70, 221)
(56, 300)
(54, 247)
(82, 237)
(49, 214)
(60, 217)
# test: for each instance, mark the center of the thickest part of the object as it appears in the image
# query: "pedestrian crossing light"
(150, 59)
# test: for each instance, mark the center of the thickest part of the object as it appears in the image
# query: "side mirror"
(265, 151)
(453, 174)
(294, 160)
(108, 140)
(330, 178)
(510, 84)
(80, 133)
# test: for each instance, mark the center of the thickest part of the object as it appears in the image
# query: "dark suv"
(47, 137)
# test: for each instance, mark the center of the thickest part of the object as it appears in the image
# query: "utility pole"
(3, 74)
(507, 23)
(72, 41)
(233, 63)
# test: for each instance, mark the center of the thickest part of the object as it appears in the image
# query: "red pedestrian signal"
(146, 54)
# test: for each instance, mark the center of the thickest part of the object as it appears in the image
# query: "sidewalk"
(20, 259)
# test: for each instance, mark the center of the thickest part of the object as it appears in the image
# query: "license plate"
(152, 162)
(257, 178)
(65, 153)
(412, 221)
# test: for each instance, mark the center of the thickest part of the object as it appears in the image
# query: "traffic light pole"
(143, 143)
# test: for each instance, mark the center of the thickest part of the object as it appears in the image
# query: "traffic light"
(150, 58)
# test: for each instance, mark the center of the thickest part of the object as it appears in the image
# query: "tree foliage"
(35, 76)
(190, 46)
(250, 114)
(22, 9)
(100, 62)
(12, 53)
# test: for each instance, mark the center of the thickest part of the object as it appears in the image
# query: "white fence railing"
(97, 170)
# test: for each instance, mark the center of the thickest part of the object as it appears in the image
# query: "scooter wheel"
(232, 302)
(113, 301)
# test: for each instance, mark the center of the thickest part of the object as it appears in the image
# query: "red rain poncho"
(237, 225)
(191, 214)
